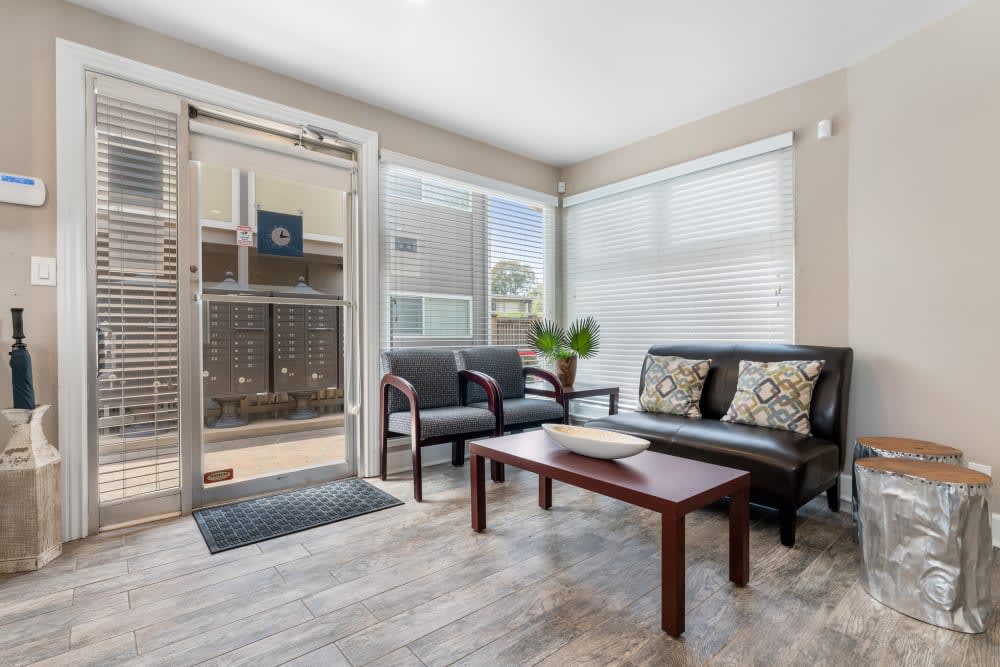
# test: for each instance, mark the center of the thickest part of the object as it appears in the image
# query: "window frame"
(467, 298)
(419, 280)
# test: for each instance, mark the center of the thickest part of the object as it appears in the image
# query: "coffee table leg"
(545, 492)
(672, 575)
(477, 470)
(739, 537)
(613, 403)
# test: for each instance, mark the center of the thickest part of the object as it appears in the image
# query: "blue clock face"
(279, 234)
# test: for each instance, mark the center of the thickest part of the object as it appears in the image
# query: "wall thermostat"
(24, 190)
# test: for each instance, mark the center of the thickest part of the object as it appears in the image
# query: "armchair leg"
(833, 496)
(458, 453)
(418, 485)
(383, 455)
(497, 473)
(787, 518)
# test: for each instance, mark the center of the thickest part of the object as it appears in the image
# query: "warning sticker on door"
(223, 475)
(244, 237)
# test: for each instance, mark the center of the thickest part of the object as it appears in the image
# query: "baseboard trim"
(401, 460)
(847, 501)
(846, 495)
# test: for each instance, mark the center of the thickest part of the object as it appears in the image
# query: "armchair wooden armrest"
(556, 392)
(494, 395)
(409, 392)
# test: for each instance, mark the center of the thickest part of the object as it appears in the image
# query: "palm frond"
(584, 337)
(548, 338)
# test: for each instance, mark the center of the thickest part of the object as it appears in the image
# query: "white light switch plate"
(43, 270)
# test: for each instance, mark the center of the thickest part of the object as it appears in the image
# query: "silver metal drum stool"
(926, 543)
(901, 448)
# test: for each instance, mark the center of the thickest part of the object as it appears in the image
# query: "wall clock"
(279, 234)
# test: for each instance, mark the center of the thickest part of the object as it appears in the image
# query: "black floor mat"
(250, 521)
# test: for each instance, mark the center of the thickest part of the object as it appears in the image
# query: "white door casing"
(75, 356)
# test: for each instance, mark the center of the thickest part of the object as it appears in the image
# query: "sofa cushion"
(433, 372)
(775, 394)
(782, 465)
(656, 427)
(501, 363)
(828, 413)
(672, 385)
(525, 410)
(453, 420)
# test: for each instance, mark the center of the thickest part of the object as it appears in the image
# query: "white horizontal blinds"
(462, 265)
(704, 257)
(136, 302)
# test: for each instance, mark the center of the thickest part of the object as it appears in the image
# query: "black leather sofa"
(787, 469)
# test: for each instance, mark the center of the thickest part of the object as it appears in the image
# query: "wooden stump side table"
(926, 541)
(900, 448)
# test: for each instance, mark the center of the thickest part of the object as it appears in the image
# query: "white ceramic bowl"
(594, 442)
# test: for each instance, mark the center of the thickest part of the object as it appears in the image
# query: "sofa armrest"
(556, 392)
(494, 395)
(409, 392)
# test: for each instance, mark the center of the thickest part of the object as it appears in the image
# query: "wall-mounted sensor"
(24, 190)
(561, 188)
(824, 129)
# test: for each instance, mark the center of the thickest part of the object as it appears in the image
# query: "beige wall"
(924, 234)
(820, 181)
(28, 31)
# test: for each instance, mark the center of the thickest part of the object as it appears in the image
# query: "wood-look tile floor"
(414, 585)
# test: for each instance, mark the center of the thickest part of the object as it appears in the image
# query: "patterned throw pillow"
(672, 385)
(775, 394)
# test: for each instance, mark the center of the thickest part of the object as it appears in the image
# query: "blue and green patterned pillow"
(672, 385)
(775, 394)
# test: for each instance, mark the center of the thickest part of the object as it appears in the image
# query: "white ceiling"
(555, 80)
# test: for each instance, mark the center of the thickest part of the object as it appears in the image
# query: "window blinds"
(462, 264)
(136, 298)
(704, 257)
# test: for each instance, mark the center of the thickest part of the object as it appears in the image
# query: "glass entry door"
(272, 321)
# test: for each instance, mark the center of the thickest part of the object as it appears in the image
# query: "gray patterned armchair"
(504, 366)
(422, 395)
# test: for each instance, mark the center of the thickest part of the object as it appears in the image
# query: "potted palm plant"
(564, 346)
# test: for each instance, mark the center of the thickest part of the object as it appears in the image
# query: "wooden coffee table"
(666, 484)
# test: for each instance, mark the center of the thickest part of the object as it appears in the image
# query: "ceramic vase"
(566, 371)
(30, 497)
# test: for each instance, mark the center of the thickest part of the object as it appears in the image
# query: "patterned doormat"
(249, 521)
